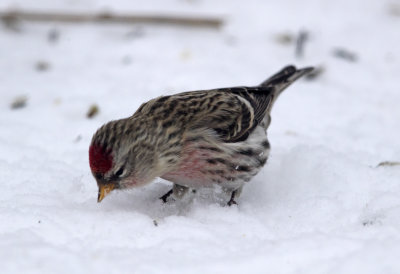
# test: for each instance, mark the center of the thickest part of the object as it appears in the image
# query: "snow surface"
(319, 206)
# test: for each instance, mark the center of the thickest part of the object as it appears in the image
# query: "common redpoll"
(193, 139)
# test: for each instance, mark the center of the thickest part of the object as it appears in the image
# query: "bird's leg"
(166, 195)
(232, 200)
(234, 194)
(177, 190)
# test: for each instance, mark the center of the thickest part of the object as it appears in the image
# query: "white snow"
(319, 206)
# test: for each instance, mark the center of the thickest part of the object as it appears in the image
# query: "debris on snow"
(93, 111)
(19, 102)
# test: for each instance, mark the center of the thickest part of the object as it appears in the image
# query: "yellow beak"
(103, 191)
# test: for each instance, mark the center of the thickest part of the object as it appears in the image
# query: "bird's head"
(121, 157)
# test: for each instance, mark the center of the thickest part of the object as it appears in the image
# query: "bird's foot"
(166, 195)
(232, 200)
(178, 191)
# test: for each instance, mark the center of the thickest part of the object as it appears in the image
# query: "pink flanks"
(192, 169)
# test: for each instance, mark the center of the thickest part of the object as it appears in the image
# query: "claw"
(232, 200)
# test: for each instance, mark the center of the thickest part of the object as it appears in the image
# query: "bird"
(193, 139)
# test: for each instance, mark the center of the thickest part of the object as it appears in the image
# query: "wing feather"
(232, 113)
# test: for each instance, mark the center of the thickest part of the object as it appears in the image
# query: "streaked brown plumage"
(193, 139)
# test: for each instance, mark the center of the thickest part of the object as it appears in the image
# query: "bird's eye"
(98, 176)
(119, 172)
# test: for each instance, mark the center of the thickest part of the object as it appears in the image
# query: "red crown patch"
(100, 159)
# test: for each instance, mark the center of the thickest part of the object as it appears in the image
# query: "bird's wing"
(246, 107)
(233, 112)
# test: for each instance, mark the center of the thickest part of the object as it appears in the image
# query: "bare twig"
(108, 17)
(345, 54)
(316, 73)
(301, 40)
(388, 163)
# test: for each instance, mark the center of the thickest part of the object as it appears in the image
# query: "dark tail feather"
(281, 80)
(285, 77)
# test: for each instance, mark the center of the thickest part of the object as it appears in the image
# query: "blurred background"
(64, 57)
(328, 199)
